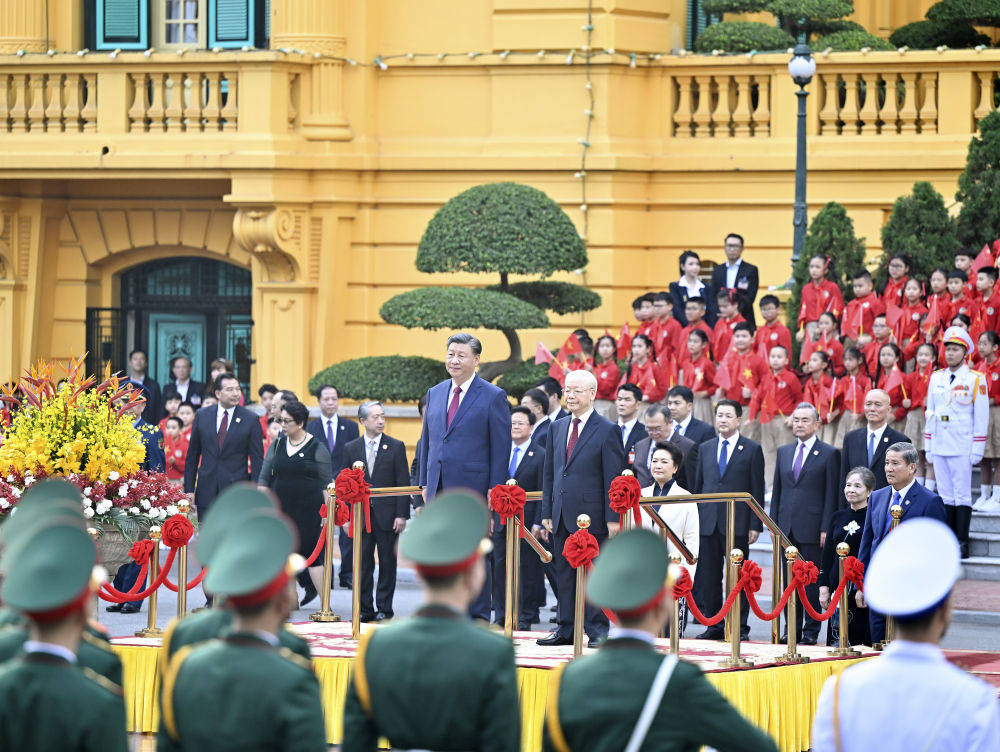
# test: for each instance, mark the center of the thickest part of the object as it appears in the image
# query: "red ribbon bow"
(683, 585)
(141, 550)
(854, 571)
(804, 572)
(508, 502)
(750, 575)
(581, 549)
(341, 514)
(352, 487)
(624, 495)
(177, 531)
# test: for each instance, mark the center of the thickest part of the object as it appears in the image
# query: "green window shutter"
(121, 24)
(231, 23)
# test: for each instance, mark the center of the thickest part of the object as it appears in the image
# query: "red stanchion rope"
(752, 598)
(508, 502)
(318, 547)
(854, 571)
(624, 495)
(682, 589)
(111, 595)
(351, 486)
(580, 550)
(190, 586)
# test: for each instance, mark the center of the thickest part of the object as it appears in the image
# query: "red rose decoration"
(750, 575)
(624, 496)
(352, 488)
(141, 550)
(804, 572)
(342, 514)
(854, 571)
(177, 531)
(508, 501)
(683, 585)
(581, 549)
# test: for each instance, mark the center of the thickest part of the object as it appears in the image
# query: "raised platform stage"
(780, 699)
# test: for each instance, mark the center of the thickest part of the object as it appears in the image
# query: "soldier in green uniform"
(437, 681)
(627, 695)
(47, 500)
(48, 700)
(244, 691)
(227, 510)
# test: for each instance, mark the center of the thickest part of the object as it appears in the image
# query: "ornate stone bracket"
(274, 237)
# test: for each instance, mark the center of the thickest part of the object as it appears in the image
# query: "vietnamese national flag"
(808, 348)
(723, 378)
(895, 379)
(558, 372)
(624, 343)
(985, 258)
(855, 329)
(931, 320)
(570, 349)
(543, 354)
(893, 313)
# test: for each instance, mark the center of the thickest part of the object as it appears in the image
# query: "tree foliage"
(501, 227)
(976, 12)
(558, 297)
(522, 377)
(742, 36)
(389, 378)
(808, 17)
(920, 227)
(852, 40)
(927, 35)
(979, 186)
(461, 308)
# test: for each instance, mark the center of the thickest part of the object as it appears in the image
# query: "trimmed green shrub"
(927, 35)
(461, 308)
(808, 17)
(852, 40)
(501, 227)
(387, 378)
(742, 36)
(979, 186)
(718, 7)
(558, 297)
(976, 12)
(920, 227)
(522, 377)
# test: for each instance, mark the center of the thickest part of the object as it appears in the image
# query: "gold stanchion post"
(151, 630)
(775, 587)
(896, 512)
(843, 649)
(512, 561)
(791, 618)
(582, 522)
(182, 568)
(735, 660)
(730, 577)
(357, 527)
(675, 620)
(325, 614)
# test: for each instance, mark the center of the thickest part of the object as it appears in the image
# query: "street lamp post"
(802, 66)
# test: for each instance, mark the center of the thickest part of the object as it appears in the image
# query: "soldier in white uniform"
(909, 698)
(958, 413)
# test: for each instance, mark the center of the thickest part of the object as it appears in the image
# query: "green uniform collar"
(439, 611)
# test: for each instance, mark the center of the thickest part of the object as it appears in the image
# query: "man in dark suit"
(527, 459)
(680, 402)
(137, 366)
(584, 454)
(658, 425)
(336, 434)
(728, 462)
(915, 500)
(183, 386)
(225, 440)
(537, 401)
(865, 447)
(385, 465)
(465, 441)
(803, 500)
(627, 408)
(554, 390)
(736, 274)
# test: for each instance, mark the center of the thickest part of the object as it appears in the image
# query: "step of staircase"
(985, 544)
(985, 523)
(981, 568)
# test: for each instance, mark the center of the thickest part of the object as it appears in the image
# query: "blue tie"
(624, 437)
(871, 447)
(513, 463)
(722, 457)
(888, 516)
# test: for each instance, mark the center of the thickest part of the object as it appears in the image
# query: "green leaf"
(920, 227)
(743, 36)
(522, 377)
(852, 40)
(928, 35)
(461, 308)
(976, 12)
(387, 378)
(558, 297)
(979, 186)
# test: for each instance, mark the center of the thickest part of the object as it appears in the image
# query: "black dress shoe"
(596, 641)
(808, 640)
(366, 618)
(346, 584)
(382, 616)
(115, 608)
(745, 636)
(554, 620)
(783, 640)
(554, 640)
(711, 634)
(524, 627)
(130, 608)
(309, 594)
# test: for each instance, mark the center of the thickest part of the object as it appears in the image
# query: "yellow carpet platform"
(779, 699)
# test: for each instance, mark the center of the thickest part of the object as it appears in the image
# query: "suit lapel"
(735, 451)
(589, 429)
(813, 453)
(475, 388)
(231, 429)
(883, 444)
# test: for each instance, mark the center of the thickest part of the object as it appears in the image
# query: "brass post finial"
(896, 511)
(183, 507)
(627, 472)
(583, 521)
(791, 553)
(511, 482)
(843, 549)
(675, 558)
(736, 556)
(358, 465)
(154, 533)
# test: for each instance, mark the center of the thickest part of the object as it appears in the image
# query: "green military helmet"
(448, 535)
(38, 502)
(51, 567)
(255, 559)
(630, 572)
(229, 507)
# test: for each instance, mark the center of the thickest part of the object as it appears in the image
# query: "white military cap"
(914, 569)
(956, 335)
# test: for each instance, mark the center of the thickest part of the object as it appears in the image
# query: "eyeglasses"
(286, 421)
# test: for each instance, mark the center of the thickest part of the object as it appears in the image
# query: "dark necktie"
(797, 466)
(453, 407)
(573, 436)
(331, 440)
(722, 457)
(952, 379)
(223, 428)
(871, 447)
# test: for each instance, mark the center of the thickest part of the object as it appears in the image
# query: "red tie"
(223, 427)
(573, 436)
(453, 407)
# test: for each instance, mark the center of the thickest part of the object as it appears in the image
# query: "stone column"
(22, 26)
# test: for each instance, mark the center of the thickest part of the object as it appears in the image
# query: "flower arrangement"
(78, 430)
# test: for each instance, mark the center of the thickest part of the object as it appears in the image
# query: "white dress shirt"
(328, 424)
(878, 435)
(218, 418)
(682, 426)
(554, 415)
(36, 646)
(464, 386)
(733, 441)
(731, 271)
(583, 422)
(521, 449)
(808, 445)
(694, 290)
(182, 389)
(902, 494)
(628, 426)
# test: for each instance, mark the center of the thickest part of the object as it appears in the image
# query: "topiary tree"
(807, 18)
(742, 36)
(831, 232)
(920, 227)
(391, 378)
(852, 40)
(522, 377)
(975, 12)
(927, 35)
(803, 19)
(979, 186)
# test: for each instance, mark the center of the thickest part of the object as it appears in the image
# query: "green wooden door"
(174, 334)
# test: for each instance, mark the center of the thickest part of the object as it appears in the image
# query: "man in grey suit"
(804, 498)
(657, 426)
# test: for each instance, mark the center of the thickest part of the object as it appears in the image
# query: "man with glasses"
(658, 425)
(736, 274)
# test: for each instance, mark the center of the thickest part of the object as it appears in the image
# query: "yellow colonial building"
(251, 179)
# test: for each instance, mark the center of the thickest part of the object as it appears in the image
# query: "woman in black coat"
(689, 286)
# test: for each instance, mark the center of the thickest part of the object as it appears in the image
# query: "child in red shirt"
(605, 367)
(908, 326)
(916, 401)
(694, 311)
(772, 332)
(987, 314)
(938, 297)
(698, 372)
(963, 262)
(818, 389)
(819, 295)
(644, 372)
(882, 336)
(829, 342)
(989, 346)
(899, 270)
(960, 301)
(175, 446)
(860, 313)
(849, 401)
(642, 309)
(890, 377)
(665, 330)
(772, 404)
(729, 317)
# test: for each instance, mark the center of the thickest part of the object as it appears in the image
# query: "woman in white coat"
(682, 518)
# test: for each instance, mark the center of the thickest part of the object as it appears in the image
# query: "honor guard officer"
(244, 691)
(48, 500)
(48, 699)
(910, 697)
(231, 506)
(594, 702)
(958, 412)
(437, 681)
